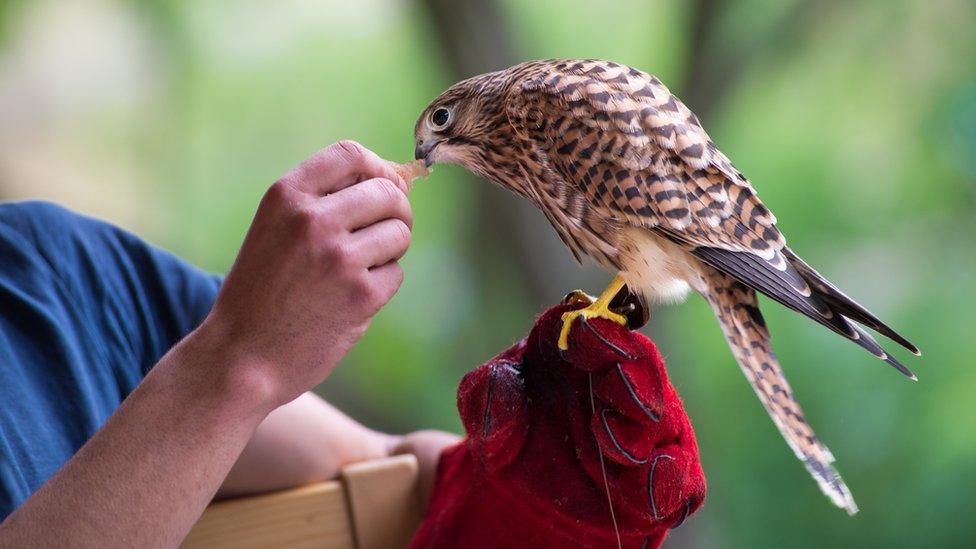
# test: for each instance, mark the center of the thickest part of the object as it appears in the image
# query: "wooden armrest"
(374, 505)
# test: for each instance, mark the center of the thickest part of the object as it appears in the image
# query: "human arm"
(308, 440)
(318, 262)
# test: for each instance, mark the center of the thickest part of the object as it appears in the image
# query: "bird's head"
(464, 124)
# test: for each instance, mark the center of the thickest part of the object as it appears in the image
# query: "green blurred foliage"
(857, 124)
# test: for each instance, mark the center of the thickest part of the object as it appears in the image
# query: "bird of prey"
(626, 174)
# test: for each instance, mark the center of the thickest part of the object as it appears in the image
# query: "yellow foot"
(597, 309)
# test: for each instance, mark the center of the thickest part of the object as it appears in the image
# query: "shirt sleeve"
(133, 301)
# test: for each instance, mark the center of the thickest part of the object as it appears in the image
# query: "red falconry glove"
(529, 472)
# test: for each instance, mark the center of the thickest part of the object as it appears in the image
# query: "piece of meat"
(410, 171)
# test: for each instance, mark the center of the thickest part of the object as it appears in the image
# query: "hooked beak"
(423, 150)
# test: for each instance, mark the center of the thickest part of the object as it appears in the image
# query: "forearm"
(304, 441)
(146, 476)
(307, 440)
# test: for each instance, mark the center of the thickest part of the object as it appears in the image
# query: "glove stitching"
(633, 394)
(613, 347)
(613, 439)
(486, 421)
(650, 484)
(684, 516)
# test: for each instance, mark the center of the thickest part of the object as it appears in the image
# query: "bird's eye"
(440, 118)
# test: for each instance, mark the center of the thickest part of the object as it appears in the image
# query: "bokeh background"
(855, 120)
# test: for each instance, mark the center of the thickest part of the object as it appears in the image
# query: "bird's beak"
(423, 150)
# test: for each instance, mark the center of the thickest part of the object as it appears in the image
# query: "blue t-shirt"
(86, 309)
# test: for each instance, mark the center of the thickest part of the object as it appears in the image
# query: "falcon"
(628, 177)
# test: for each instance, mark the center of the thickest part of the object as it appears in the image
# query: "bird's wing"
(641, 156)
(737, 310)
(636, 150)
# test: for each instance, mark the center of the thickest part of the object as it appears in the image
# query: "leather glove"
(550, 434)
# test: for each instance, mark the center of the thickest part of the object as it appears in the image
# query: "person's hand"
(555, 440)
(319, 260)
(427, 446)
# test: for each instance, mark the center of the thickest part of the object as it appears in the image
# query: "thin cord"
(603, 468)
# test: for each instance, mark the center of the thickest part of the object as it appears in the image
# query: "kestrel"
(626, 174)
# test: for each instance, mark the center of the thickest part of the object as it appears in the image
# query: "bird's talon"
(578, 296)
(630, 306)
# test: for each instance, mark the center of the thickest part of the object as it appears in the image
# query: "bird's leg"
(596, 309)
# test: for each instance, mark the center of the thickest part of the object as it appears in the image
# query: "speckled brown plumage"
(626, 174)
